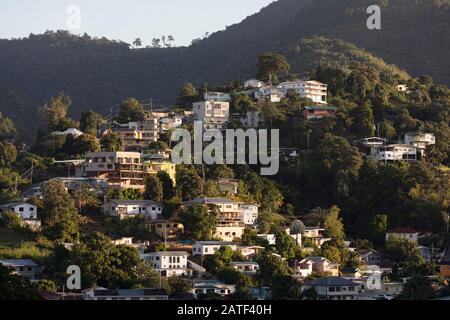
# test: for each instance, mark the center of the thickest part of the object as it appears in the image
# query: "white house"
(132, 208)
(394, 152)
(26, 268)
(333, 288)
(403, 232)
(23, 209)
(229, 231)
(247, 267)
(229, 186)
(170, 122)
(205, 248)
(271, 94)
(213, 114)
(249, 252)
(316, 264)
(310, 89)
(420, 140)
(168, 263)
(249, 213)
(217, 96)
(203, 287)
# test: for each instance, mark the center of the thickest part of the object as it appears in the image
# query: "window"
(21, 209)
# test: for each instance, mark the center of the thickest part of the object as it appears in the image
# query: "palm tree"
(137, 42)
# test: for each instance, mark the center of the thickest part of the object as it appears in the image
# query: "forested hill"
(97, 72)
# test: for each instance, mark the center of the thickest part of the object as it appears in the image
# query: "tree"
(14, 287)
(130, 110)
(417, 287)
(8, 154)
(178, 285)
(330, 220)
(310, 294)
(130, 194)
(187, 95)
(271, 266)
(272, 65)
(7, 128)
(378, 228)
(199, 222)
(11, 220)
(59, 214)
(86, 198)
(285, 288)
(363, 125)
(189, 183)
(137, 42)
(89, 122)
(56, 110)
(153, 189)
(285, 244)
(403, 251)
(81, 144)
(111, 142)
(228, 275)
(167, 185)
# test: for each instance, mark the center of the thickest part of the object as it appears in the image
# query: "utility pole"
(31, 173)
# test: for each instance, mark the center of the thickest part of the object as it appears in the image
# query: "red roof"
(403, 230)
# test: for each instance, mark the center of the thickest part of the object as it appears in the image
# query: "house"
(247, 267)
(168, 263)
(120, 169)
(167, 229)
(136, 135)
(128, 241)
(394, 152)
(260, 293)
(205, 248)
(26, 211)
(371, 142)
(155, 163)
(296, 236)
(26, 268)
(271, 94)
(131, 208)
(126, 294)
(315, 234)
(228, 213)
(229, 186)
(217, 96)
(213, 114)
(312, 113)
(250, 214)
(369, 257)
(270, 238)
(170, 123)
(253, 83)
(403, 232)
(444, 263)
(249, 252)
(204, 287)
(229, 231)
(402, 88)
(420, 140)
(333, 288)
(318, 265)
(309, 89)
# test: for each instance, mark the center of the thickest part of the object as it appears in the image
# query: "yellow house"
(156, 163)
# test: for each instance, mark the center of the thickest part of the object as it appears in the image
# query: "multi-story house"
(120, 169)
(315, 234)
(213, 114)
(394, 152)
(271, 94)
(247, 267)
(167, 229)
(168, 263)
(316, 264)
(217, 96)
(137, 135)
(420, 140)
(153, 163)
(131, 208)
(369, 257)
(228, 213)
(310, 89)
(333, 288)
(170, 123)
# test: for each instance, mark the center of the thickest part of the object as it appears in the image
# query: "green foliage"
(285, 288)
(153, 189)
(7, 128)
(331, 221)
(11, 220)
(272, 65)
(271, 266)
(111, 142)
(178, 285)
(417, 288)
(189, 183)
(130, 110)
(90, 121)
(187, 95)
(167, 185)
(14, 287)
(198, 222)
(8, 154)
(130, 194)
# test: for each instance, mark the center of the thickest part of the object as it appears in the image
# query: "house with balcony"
(250, 214)
(246, 267)
(168, 263)
(121, 169)
(369, 257)
(136, 135)
(213, 114)
(420, 140)
(394, 152)
(26, 268)
(333, 288)
(132, 208)
(217, 96)
(205, 248)
(309, 89)
(154, 163)
(318, 112)
(315, 234)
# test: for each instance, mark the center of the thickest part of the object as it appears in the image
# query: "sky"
(125, 20)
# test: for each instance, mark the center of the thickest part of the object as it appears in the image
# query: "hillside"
(98, 73)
